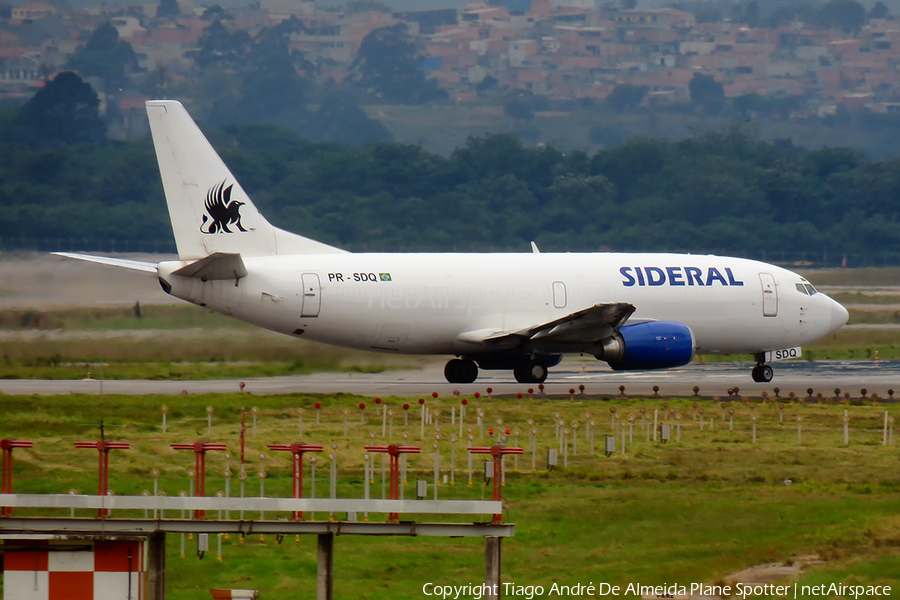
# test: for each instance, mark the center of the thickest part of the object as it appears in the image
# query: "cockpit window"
(810, 289)
(801, 288)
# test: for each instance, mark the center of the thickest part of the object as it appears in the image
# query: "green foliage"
(358, 6)
(387, 66)
(105, 56)
(67, 110)
(724, 192)
(220, 48)
(707, 94)
(879, 11)
(518, 110)
(847, 15)
(342, 122)
(625, 96)
(168, 9)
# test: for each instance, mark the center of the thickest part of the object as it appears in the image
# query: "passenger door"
(312, 299)
(769, 295)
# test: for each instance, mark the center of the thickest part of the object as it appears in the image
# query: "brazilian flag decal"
(384, 276)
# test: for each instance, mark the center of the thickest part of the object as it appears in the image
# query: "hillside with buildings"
(536, 55)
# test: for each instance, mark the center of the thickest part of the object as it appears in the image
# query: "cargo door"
(769, 295)
(312, 295)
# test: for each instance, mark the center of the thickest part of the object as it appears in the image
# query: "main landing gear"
(530, 371)
(525, 369)
(762, 373)
(461, 370)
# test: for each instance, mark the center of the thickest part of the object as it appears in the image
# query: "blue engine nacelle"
(644, 346)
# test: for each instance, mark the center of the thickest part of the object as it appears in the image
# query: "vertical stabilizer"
(209, 210)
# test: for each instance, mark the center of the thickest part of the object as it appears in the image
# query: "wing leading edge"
(134, 265)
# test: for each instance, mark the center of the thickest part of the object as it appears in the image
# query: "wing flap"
(584, 326)
(134, 265)
(219, 265)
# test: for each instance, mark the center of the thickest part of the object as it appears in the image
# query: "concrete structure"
(114, 539)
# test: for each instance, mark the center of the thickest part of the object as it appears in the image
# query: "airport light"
(200, 449)
(394, 451)
(103, 447)
(297, 450)
(497, 452)
(7, 445)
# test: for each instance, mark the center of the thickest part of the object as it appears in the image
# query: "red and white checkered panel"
(104, 573)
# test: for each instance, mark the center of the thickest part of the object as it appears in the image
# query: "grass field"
(694, 511)
(184, 342)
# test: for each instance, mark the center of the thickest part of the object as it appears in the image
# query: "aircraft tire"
(762, 373)
(530, 372)
(461, 371)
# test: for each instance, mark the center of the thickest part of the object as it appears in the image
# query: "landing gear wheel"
(530, 371)
(762, 373)
(461, 371)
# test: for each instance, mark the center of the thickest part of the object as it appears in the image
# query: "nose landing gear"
(762, 373)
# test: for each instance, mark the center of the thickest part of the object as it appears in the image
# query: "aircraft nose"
(839, 315)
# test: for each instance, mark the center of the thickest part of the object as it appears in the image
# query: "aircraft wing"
(584, 326)
(134, 265)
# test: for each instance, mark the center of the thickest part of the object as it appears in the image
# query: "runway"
(713, 379)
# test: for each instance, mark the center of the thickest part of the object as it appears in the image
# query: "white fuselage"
(422, 303)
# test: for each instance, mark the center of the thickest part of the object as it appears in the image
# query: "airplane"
(507, 311)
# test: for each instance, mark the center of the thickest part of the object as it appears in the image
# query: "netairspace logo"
(739, 590)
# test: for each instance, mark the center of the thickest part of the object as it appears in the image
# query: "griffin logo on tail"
(223, 211)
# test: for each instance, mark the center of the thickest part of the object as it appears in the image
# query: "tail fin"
(209, 210)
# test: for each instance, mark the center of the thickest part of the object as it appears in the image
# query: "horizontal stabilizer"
(584, 326)
(219, 265)
(134, 265)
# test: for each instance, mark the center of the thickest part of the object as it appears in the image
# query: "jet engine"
(644, 346)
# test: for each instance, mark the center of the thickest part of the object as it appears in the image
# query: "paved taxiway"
(713, 379)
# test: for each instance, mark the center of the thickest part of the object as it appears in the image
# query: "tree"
(105, 56)
(879, 11)
(168, 9)
(66, 109)
(273, 89)
(847, 15)
(220, 48)
(215, 13)
(625, 97)
(387, 65)
(358, 6)
(340, 121)
(707, 94)
(519, 110)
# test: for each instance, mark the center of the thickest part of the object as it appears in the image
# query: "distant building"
(33, 11)
(429, 20)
